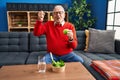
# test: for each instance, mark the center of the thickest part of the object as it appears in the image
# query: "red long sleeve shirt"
(57, 42)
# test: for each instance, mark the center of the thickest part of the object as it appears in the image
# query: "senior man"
(59, 44)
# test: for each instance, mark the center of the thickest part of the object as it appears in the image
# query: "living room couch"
(23, 48)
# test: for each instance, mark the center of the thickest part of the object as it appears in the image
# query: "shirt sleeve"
(39, 28)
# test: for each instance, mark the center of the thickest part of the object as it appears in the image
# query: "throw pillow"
(101, 41)
(87, 40)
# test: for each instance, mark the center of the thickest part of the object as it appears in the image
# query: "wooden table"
(73, 71)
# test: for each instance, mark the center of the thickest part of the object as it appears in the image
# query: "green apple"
(65, 31)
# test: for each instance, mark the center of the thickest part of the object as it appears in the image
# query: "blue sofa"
(23, 48)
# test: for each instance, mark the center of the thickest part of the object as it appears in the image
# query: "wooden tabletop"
(73, 71)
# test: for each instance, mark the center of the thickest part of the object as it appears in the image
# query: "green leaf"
(80, 15)
(58, 63)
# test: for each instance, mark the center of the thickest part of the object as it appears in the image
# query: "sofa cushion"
(81, 40)
(102, 56)
(101, 41)
(13, 58)
(87, 40)
(13, 41)
(107, 68)
(117, 46)
(37, 43)
(33, 57)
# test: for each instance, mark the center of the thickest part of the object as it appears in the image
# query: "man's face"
(58, 14)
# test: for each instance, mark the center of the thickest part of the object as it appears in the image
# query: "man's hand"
(41, 15)
(70, 35)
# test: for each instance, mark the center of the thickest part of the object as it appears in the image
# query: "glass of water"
(41, 64)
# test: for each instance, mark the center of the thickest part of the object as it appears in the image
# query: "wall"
(98, 8)
(3, 11)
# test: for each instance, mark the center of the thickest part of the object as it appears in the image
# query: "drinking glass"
(41, 64)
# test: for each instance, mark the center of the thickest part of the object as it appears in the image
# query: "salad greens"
(58, 63)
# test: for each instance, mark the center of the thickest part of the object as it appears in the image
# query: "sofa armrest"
(117, 46)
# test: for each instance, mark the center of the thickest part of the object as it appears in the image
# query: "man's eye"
(60, 12)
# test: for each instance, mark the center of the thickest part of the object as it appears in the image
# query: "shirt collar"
(62, 23)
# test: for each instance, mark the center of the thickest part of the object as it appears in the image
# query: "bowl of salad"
(58, 66)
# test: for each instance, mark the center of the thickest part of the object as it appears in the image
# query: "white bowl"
(58, 69)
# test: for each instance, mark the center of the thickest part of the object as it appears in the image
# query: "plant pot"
(19, 25)
(58, 69)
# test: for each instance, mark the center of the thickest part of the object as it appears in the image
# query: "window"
(113, 17)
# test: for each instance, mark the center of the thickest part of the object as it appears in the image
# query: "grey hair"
(60, 6)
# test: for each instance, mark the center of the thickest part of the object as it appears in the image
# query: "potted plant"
(80, 15)
(19, 23)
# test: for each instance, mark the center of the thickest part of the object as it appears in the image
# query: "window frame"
(113, 26)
